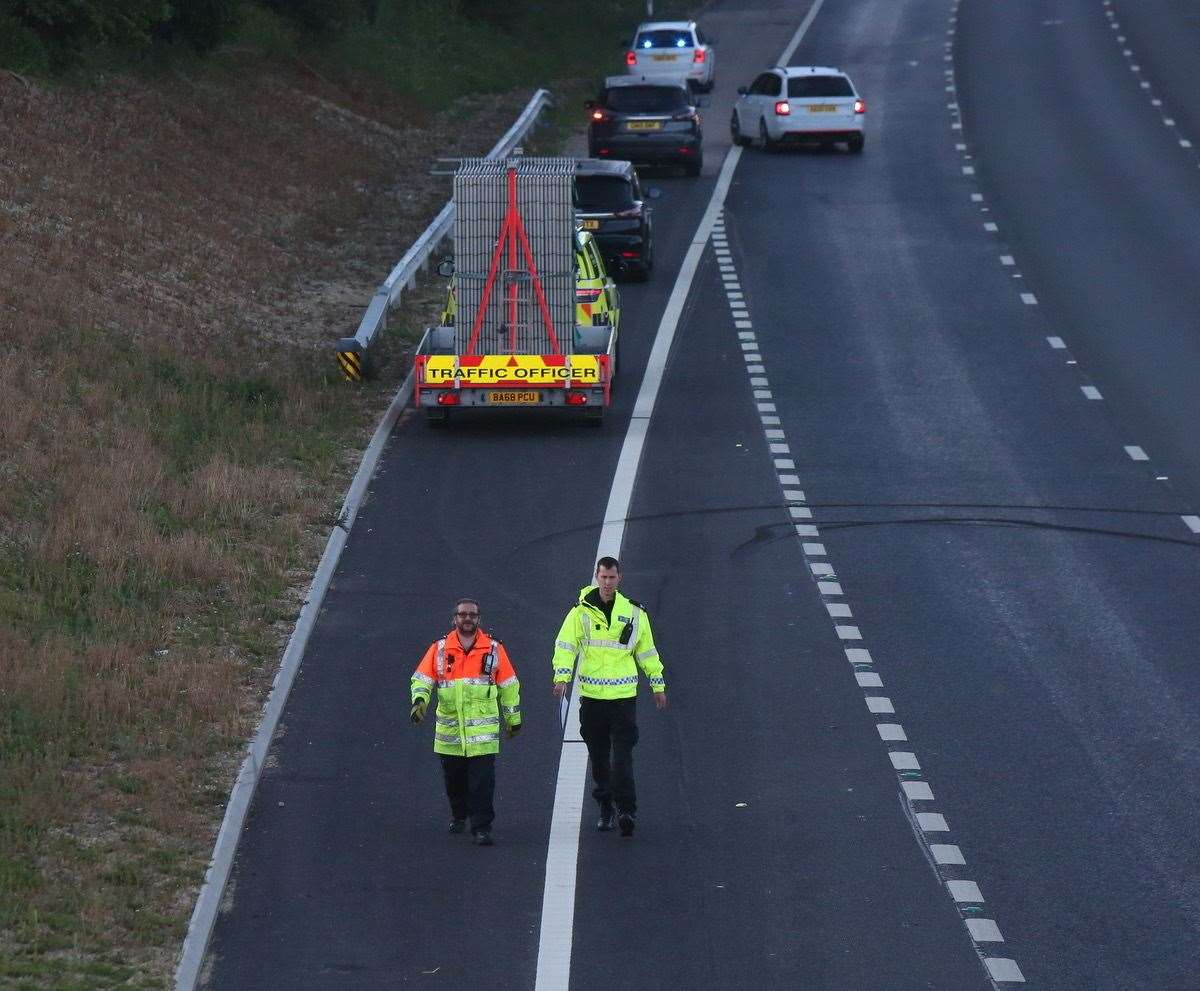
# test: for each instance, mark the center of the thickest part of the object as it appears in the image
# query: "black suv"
(646, 122)
(610, 204)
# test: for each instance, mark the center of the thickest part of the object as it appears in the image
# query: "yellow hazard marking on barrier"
(491, 369)
(352, 365)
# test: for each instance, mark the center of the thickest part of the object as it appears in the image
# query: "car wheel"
(764, 138)
(735, 131)
(855, 144)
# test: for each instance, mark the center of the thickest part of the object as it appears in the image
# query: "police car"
(597, 298)
(810, 104)
(673, 50)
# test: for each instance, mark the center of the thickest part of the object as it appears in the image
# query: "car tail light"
(631, 58)
(699, 55)
(860, 107)
(631, 254)
(587, 295)
(576, 399)
(600, 115)
(782, 108)
(633, 211)
(689, 115)
(448, 399)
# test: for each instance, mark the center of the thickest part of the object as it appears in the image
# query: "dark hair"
(608, 562)
(474, 602)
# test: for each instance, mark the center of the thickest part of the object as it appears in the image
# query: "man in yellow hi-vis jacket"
(610, 635)
(476, 684)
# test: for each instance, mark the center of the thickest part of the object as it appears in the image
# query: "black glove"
(417, 712)
(514, 730)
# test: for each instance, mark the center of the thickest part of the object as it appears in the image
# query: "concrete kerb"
(204, 915)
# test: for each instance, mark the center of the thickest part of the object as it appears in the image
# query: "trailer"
(515, 342)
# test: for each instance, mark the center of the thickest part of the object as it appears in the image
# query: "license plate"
(822, 108)
(644, 125)
(591, 225)
(514, 398)
(664, 58)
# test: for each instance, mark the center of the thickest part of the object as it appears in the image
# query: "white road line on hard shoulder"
(556, 936)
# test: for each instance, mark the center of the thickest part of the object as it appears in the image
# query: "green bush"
(85, 24)
(20, 49)
(266, 33)
(319, 16)
(199, 24)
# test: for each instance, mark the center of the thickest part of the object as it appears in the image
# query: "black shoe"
(458, 825)
(484, 838)
(608, 817)
(625, 821)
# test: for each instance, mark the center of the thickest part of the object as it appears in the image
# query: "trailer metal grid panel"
(545, 201)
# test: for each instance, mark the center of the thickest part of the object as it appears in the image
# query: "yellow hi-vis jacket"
(474, 688)
(608, 667)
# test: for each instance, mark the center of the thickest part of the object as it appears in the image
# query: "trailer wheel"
(593, 416)
(437, 418)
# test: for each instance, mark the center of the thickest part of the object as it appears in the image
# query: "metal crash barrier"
(353, 353)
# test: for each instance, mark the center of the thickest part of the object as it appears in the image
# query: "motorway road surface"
(1019, 593)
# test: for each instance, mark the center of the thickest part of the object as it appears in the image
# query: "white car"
(805, 104)
(674, 50)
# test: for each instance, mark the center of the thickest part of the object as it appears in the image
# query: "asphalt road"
(1026, 591)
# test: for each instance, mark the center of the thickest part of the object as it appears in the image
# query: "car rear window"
(802, 86)
(636, 99)
(665, 39)
(603, 194)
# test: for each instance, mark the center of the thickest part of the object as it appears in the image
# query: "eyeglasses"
(467, 615)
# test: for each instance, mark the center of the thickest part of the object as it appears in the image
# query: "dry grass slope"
(174, 257)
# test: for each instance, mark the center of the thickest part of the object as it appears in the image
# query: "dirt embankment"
(175, 256)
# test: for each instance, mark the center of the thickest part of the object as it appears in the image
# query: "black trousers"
(609, 728)
(470, 782)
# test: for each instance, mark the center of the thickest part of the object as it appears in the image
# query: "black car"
(646, 122)
(611, 205)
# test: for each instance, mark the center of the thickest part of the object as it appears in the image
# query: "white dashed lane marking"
(907, 766)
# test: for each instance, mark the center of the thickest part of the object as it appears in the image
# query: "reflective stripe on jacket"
(608, 669)
(477, 692)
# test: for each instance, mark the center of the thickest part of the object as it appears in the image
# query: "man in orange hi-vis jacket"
(476, 685)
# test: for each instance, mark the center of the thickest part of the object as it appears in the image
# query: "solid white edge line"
(562, 855)
(556, 935)
(204, 916)
(800, 32)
